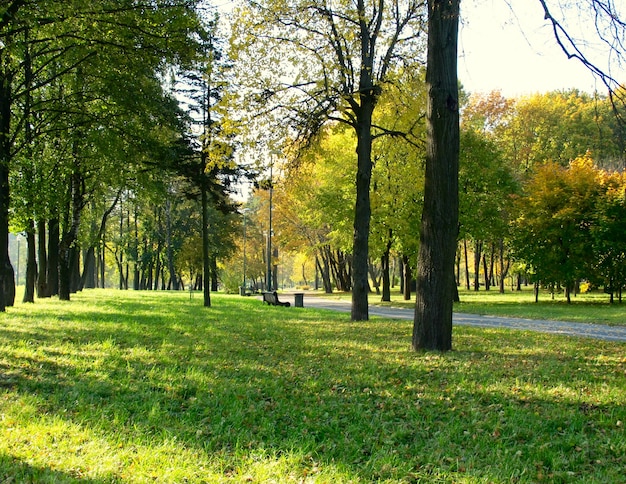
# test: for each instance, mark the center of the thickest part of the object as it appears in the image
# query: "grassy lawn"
(152, 387)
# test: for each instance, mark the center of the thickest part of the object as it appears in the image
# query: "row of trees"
(509, 215)
(334, 64)
(93, 133)
(67, 100)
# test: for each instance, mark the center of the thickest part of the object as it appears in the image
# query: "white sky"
(512, 48)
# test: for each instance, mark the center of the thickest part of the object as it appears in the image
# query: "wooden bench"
(271, 298)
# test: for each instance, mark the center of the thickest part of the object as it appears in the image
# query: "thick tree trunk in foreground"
(7, 282)
(362, 211)
(432, 328)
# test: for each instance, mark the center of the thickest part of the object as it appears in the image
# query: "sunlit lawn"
(152, 387)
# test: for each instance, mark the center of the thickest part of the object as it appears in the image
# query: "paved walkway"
(597, 331)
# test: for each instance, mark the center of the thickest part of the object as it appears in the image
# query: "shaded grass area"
(152, 387)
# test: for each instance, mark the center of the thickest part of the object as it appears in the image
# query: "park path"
(597, 331)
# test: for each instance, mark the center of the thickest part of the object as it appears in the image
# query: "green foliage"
(135, 387)
(560, 126)
(570, 227)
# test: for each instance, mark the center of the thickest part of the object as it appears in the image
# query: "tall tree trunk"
(386, 267)
(135, 250)
(173, 283)
(53, 256)
(158, 268)
(408, 278)
(504, 268)
(101, 259)
(362, 209)
(206, 263)
(486, 271)
(7, 280)
(92, 262)
(31, 264)
(432, 328)
(214, 279)
(88, 278)
(478, 254)
(68, 249)
(42, 278)
(323, 267)
(375, 274)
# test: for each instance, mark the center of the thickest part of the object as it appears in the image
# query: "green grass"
(152, 387)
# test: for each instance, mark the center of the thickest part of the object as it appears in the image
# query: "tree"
(432, 327)
(67, 36)
(609, 235)
(554, 231)
(433, 314)
(341, 54)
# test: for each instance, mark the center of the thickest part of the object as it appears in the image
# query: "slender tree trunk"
(206, 262)
(408, 278)
(478, 254)
(88, 279)
(432, 329)
(374, 275)
(136, 250)
(486, 272)
(324, 269)
(214, 281)
(31, 264)
(504, 268)
(170, 250)
(53, 256)
(385, 268)
(157, 269)
(101, 257)
(68, 249)
(42, 277)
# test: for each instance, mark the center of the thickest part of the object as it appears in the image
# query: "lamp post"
(268, 274)
(243, 291)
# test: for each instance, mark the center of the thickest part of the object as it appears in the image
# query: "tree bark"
(174, 284)
(408, 278)
(68, 249)
(386, 268)
(486, 271)
(206, 263)
(362, 209)
(432, 329)
(42, 279)
(53, 257)
(7, 282)
(478, 251)
(31, 264)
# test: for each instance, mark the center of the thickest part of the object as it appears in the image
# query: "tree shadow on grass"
(340, 394)
(16, 471)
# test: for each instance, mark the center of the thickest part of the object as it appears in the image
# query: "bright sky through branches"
(508, 45)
